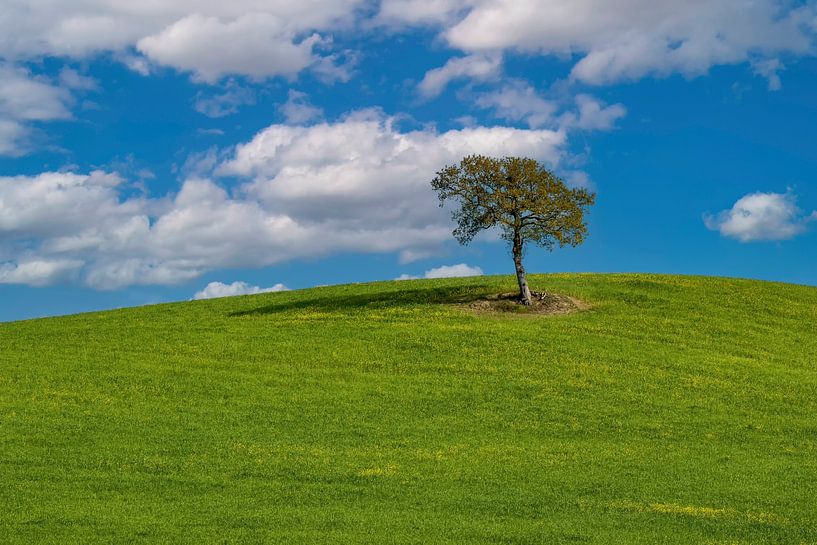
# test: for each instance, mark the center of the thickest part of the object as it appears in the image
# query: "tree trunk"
(524, 291)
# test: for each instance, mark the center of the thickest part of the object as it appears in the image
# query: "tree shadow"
(379, 300)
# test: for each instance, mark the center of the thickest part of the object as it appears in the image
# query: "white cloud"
(357, 185)
(769, 69)
(298, 110)
(226, 103)
(209, 38)
(13, 135)
(622, 40)
(578, 178)
(334, 67)
(418, 12)
(71, 79)
(219, 289)
(366, 165)
(593, 115)
(54, 205)
(466, 121)
(201, 164)
(137, 63)
(446, 271)
(478, 67)
(452, 271)
(761, 216)
(25, 98)
(613, 40)
(38, 272)
(518, 101)
(256, 45)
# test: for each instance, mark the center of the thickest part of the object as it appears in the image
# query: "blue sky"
(197, 149)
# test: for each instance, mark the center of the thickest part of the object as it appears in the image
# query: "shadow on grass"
(383, 299)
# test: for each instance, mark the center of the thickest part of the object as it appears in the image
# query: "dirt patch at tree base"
(542, 304)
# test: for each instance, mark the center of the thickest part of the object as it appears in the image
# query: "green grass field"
(676, 410)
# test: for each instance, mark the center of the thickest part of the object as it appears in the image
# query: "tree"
(521, 197)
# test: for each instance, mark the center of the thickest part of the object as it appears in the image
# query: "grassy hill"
(675, 410)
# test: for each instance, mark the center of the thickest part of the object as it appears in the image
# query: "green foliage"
(520, 196)
(677, 410)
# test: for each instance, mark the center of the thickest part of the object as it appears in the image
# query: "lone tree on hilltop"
(520, 196)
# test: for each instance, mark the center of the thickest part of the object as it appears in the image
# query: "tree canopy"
(519, 196)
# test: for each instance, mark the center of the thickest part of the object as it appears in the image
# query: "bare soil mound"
(541, 304)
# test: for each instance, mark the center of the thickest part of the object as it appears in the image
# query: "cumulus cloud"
(478, 67)
(38, 272)
(446, 271)
(256, 45)
(219, 289)
(54, 204)
(358, 185)
(26, 99)
(761, 216)
(368, 168)
(255, 38)
(620, 40)
(258, 38)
